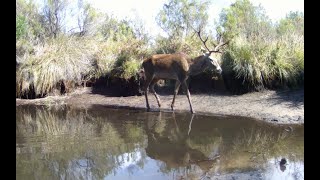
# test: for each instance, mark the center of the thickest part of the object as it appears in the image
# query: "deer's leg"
(185, 86)
(176, 90)
(146, 90)
(154, 81)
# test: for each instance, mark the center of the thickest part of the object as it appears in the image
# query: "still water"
(102, 143)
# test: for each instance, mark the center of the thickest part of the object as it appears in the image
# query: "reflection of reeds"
(253, 148)
(270, 143)
(207, 146)
(68, 142)
(59, 142)
(46, 124)
(253, 141)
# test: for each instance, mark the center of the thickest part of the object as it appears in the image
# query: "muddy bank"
(270, 106)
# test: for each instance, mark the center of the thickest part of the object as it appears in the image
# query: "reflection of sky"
(129, 159)
(80, 168)
(151, 169)
(130, 170)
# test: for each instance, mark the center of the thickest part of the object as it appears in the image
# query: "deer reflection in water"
(172, 142)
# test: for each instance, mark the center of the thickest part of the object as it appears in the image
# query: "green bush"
(68, 61)
(265, 63)
(21, 26)
(261, 54)
(58, 60)
(128, 61)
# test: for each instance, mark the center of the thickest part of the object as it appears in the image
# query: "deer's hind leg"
(146, 90)
(153, 82)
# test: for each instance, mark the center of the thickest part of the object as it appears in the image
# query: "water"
(101, 143)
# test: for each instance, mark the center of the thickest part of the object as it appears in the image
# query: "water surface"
(102, 143)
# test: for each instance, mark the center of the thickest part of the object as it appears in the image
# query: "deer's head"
(212, 62)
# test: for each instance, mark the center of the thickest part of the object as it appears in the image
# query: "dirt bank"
(271, 106)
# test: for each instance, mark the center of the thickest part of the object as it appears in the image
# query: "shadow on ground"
(294, 97)
(116, 87)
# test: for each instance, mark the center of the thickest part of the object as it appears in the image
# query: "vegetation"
(262, 54)
(52, 57)
(63, 61)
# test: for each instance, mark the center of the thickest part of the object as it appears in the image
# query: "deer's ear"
(203, 50)
(206, 54)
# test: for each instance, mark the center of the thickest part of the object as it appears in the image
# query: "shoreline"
(280, 107)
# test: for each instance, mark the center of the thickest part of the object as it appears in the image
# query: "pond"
(102, 143)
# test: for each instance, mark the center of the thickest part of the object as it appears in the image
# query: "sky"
(148, 9)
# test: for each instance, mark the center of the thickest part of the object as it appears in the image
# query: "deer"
(178, 67)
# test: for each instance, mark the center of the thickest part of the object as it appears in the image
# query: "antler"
(221, 43)
(216, 48)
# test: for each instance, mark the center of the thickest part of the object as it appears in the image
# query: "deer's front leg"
(154, 92)
(185, 86)
(176, 90)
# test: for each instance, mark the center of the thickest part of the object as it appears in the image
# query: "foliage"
(293, 23)
(51, 57)
(67, 61)
(28, 21)
(243, 18)
(86, 18)
(177, 15)
(257, 55)
(262, 63)
(180, 19)
(58, 61)
(21, 26)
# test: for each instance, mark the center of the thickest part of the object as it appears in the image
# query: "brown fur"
(172, 66)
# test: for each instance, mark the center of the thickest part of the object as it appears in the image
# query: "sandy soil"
(271, 106)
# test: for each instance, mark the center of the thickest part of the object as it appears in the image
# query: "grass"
(263, 63)
(66, 62)
(57, 61)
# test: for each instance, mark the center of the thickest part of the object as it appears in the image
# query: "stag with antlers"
(178, 67)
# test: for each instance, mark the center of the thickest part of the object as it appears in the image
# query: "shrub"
(265, 63)
(58, 61)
